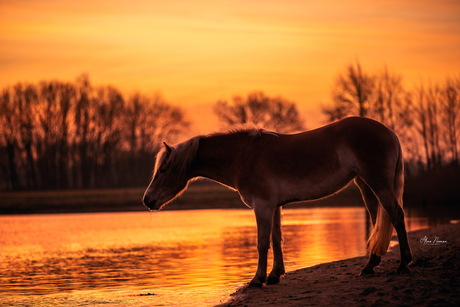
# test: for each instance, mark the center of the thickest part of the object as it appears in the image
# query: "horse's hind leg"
(278, 263)
(406, 254)
(396, 214)
(372, 204)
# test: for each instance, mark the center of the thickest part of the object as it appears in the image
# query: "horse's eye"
(162, 170)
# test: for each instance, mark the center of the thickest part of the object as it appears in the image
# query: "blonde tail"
(382, 232)
(380, 238)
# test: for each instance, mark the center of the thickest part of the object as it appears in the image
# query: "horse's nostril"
(149, 202)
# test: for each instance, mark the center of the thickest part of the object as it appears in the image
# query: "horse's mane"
(182, 154)
(181, 157)
(249, 129)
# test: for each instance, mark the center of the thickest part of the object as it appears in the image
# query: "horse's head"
(169, 176)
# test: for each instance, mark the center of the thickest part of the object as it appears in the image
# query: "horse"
(270, 170)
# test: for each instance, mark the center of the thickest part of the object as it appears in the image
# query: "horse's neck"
(217, 158)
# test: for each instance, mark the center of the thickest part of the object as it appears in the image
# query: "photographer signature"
(436, 241)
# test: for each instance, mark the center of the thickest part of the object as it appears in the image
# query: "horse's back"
(355, 133)
(348, 145)
(368, 139)
(363, 130)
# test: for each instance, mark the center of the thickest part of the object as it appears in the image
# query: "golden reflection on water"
(185, 257)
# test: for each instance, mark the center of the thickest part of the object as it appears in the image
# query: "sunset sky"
(197, 52)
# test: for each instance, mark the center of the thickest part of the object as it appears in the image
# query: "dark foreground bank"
(434, 279)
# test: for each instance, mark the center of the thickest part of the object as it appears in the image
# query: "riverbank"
(434, 279)
(203, 194)
(198, 196)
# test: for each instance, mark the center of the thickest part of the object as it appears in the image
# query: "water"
(170, 258)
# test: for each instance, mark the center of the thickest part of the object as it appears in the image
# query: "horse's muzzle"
(149, 203)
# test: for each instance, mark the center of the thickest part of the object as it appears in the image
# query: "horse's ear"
(168, 149)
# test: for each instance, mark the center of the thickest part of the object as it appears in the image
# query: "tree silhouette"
(435, 117)
(451, 116)
(387, 98)
(276, 113)
(58, 135)
(9, 133)
(352, 93)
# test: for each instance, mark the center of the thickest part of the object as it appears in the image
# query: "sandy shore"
(434, 279)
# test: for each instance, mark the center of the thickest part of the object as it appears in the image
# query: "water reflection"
(323, 234)
(207, 252)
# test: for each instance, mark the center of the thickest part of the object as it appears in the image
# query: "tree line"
(59, 135)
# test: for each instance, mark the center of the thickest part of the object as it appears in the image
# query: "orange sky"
(197, 52)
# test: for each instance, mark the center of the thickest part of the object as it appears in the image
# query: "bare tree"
(26, 100)
(450, 109)
(352, 93)
(388, 98)
(53, 111)
(276, 113)
(9, 132)
(426, 123)
(83, 115)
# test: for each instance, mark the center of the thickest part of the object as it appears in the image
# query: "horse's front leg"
(264, 218)
(278, 262)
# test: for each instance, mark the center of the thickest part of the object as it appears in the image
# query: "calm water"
(185, 258)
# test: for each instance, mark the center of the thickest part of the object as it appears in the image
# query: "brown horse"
(270, 170)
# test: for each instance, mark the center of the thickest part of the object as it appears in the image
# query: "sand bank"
(434, 279)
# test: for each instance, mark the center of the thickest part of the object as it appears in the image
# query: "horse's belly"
(288, 190)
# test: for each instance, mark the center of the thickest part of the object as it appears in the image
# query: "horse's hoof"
(367, 271)
(255, 284)
(273, 280)
(403, 270)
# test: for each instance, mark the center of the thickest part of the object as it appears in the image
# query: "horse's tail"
(380, 238)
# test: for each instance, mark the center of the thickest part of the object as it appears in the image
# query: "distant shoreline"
(434, 279)
(199, 195)
(202, 194)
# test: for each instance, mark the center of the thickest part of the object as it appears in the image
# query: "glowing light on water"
(184, 258)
